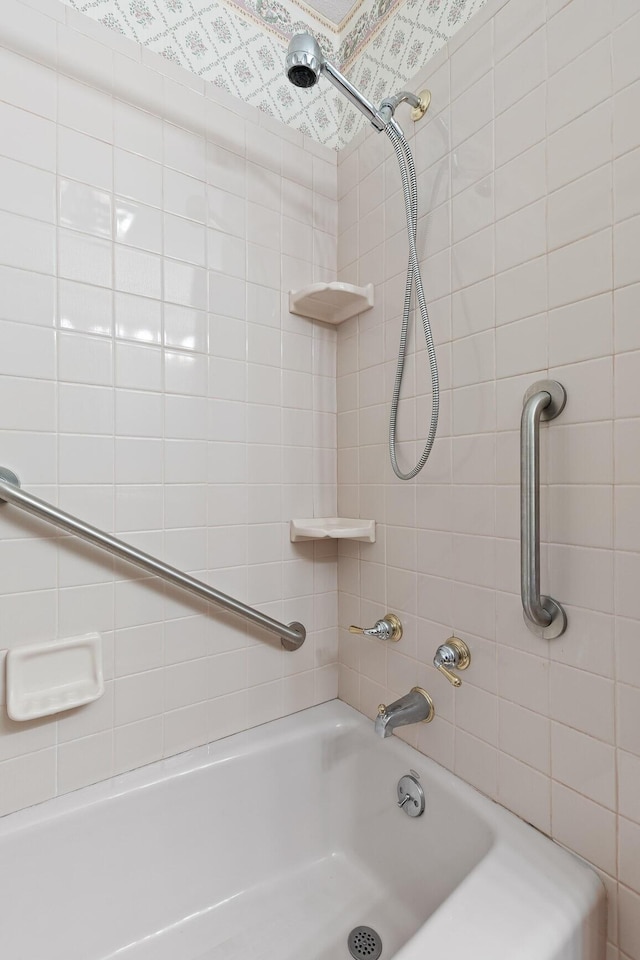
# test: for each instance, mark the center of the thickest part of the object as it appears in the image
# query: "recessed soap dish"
(47, 678)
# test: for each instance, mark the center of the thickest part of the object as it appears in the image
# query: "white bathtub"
(277, 842)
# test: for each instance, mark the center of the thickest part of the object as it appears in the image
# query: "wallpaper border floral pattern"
(239, 46)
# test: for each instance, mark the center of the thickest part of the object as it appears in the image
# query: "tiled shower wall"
(529, 172)
(154, 383)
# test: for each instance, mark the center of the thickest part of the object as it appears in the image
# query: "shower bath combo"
(304, 64)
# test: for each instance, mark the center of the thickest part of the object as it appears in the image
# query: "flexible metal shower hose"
(414, 277)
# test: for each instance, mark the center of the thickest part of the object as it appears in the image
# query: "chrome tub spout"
(415, 707)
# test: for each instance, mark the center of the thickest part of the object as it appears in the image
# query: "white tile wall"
(529, 233)
(154, 383)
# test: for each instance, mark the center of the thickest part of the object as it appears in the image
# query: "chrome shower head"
(304, 60)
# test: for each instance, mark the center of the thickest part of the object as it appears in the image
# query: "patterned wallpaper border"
(239, 46)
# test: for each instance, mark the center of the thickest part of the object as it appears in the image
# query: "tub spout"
(415, 707)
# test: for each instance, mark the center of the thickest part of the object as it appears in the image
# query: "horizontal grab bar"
(292, 635)
(542, 615)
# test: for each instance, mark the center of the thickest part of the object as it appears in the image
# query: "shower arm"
(345, 87)
(381, 116)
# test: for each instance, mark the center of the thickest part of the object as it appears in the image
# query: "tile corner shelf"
(331, 302)
(334, 528)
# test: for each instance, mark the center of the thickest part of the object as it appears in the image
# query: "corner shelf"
(334, 528)
(332, 302)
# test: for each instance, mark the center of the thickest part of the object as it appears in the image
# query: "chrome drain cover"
(364, 944)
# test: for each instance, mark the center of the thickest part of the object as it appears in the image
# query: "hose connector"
(419, 104)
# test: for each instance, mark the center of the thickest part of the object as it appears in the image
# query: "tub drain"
(364, 944)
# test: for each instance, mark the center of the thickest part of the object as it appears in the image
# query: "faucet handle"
(454, 654)
(451, 677)
(388, 628)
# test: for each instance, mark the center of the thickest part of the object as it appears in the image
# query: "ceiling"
(335, 11)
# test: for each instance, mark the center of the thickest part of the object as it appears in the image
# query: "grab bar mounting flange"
(557, 394)
(8, 476)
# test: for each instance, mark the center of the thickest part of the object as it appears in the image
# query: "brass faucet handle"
(451, 677)
(382, 708)
(388, 628)
(454, 654)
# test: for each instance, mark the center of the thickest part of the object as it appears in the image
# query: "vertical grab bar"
(542, 615)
